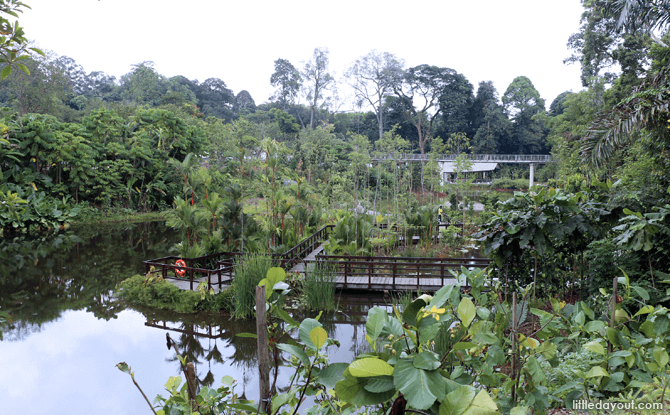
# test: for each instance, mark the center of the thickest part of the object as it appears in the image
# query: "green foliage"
(351, 235)
(248, 273)
(13, 42)
(153, 291)
(208, 401)
(318, 289)
(23, 210)
(543, 226)
(514, 184)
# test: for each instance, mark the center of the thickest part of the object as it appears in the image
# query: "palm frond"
(647, 108)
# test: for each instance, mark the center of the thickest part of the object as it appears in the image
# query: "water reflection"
(69, 332)
(40, 278)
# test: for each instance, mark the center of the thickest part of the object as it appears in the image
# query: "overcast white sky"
(238, 41)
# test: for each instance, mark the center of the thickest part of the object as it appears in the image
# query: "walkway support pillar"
(532, 173)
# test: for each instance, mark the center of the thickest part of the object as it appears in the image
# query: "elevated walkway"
(478, 158)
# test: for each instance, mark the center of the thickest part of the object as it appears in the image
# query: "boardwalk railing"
(195, 269)
(485, 158)
(304, 248)
(394, 273)
(219, 267)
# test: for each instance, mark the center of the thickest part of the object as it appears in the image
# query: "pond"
(60, 353)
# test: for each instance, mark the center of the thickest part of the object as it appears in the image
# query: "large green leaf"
(426, 361)
(535, 370)
(331, 374)
(305, 328)
(463, 401)
(457, 402)
(286, 317)
(466, 311)
(295, 351)
(409, 314)
(377, 319)
(482, 405)
(273, 276)
(441, 296)
(351, 390)
(318, 336)
(370, 366)
(596, 371)
(380, 384)
(281, 399)
(420, 387)
(661, 356)
(595, 347)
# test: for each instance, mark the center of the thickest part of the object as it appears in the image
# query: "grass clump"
(247, 277)
(318, 289)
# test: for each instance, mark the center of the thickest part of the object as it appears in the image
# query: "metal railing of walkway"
(481, 158)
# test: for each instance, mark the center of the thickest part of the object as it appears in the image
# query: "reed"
(319, 288)
(248, 273)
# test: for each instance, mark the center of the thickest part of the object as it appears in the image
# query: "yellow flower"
(435, 312)
(561, 305)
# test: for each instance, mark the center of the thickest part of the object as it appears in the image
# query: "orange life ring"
(180, 272)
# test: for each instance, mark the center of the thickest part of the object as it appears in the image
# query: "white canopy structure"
(448, 169)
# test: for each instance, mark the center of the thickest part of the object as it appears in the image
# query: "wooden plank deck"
(185, 284)
(386, 283)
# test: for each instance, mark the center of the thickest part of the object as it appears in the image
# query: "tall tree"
(44, 91)
(522, 101)
(215, 98)
(419, 94)
(600, 43)
(489, 120)
(372, 77)
(143, 84)
(243, 103)
(317, 80)
(456, 102)
(287, 80)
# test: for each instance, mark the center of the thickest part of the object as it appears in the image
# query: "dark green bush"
(158, 293)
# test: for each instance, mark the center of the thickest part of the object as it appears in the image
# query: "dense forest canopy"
(115, 142)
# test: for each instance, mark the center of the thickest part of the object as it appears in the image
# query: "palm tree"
(185, 168)
(648, 109)
(642, 15)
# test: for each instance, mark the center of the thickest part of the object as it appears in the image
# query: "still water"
(60, 353)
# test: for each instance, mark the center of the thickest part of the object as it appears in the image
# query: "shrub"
(157, 293)
(511, 183)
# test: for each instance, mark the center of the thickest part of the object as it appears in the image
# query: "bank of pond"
(489, 347)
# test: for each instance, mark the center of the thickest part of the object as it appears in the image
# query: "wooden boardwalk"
(367, 273)
(387, 284)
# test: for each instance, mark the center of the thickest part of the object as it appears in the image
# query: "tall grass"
(248, 273)
(319, 288)
(403, 299)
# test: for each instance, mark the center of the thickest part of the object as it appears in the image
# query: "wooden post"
(190, 378)
(263, 351)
